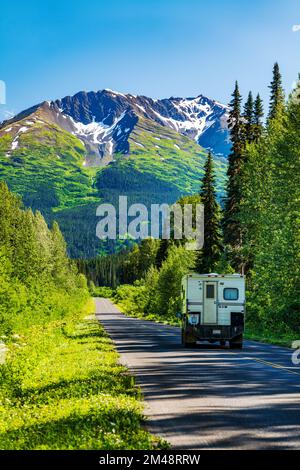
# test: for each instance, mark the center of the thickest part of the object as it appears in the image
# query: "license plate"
(216, 332)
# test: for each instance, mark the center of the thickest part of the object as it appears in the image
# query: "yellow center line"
(272, 364)
(267, 363)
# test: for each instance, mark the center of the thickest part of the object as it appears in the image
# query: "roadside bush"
(157, 296)
(102, 291)
(131, 298)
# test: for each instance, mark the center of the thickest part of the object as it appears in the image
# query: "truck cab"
(213, 309)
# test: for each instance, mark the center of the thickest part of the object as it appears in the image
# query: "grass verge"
(164, 320)
(62, 388)
(284, 339)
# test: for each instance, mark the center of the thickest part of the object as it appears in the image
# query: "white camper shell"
(213, 308)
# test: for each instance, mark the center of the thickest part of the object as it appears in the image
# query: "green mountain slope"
(162, 166)
(46, 165)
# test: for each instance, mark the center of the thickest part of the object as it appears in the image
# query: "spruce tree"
(147, 255)
(231, 224)
(244, 254)
(277, 94)
(162, 252)
(258, 115)
(210, 254)
(60, 262)
(248, 117)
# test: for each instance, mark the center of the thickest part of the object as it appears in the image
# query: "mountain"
(64, 157)
(106, 119)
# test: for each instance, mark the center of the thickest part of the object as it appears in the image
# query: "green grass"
(279, 339)
(62, 388)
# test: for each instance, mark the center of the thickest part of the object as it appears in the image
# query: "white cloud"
(296, 27)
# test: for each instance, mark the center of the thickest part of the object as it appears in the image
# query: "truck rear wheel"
(186, 344)
(237, 342)
(189, 345)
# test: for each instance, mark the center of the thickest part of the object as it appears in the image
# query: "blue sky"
(158, 48)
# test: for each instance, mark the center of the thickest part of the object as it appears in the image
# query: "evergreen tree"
(231, 224)
(210, 254)
(9, 211)
(277, 94)
(253, 132)
(60, 262)
(258, 115)
(133, 264)
(248, 117)
(162, 252)
(43, 243)
(147, 255)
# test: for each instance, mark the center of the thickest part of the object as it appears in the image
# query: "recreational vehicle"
(213, 309)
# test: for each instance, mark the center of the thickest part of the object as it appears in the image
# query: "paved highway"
(209, 397)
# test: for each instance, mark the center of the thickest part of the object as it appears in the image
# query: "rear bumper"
(212, 332)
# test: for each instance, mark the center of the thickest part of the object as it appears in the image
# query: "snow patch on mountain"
(93, 131)
(138, 144)
(192, 116)
(141, 108)
(14, 144)
(97, 132)
(110, 146)
(192, 124)
(114, 92)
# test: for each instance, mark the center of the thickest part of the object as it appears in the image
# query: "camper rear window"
(210, 291)
(230, 293)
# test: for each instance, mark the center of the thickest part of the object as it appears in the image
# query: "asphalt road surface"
(209, 397)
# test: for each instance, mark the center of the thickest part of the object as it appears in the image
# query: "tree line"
(38, 282)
